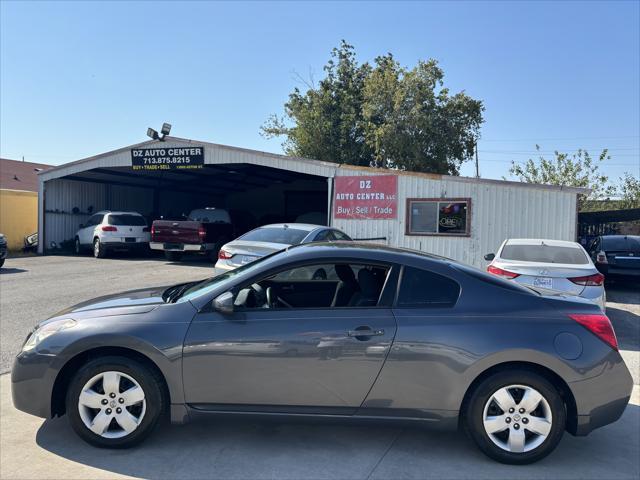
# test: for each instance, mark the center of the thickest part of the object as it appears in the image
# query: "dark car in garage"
(414, 337)
(616, 255)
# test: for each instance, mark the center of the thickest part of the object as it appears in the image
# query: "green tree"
(411, 121)
(385, 116)
(629, 191)
(578, 169)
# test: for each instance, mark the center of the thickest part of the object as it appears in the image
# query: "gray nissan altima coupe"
(382, 334)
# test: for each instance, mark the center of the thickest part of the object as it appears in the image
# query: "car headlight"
(45, 331)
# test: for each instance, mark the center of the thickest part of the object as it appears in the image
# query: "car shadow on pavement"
(627, 327)
(232, 448)
(8, 271)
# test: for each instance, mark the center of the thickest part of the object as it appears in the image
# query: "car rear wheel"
(114, 402)
(173, 256)
(516, 417)
(98, 249)
(78, 247)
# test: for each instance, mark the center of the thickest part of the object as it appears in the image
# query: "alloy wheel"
(517, 418)
(112, 404)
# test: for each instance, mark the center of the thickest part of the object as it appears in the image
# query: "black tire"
(147, 378)
(99, 251)
(1, 262)
(474, 414)
(173, 256)
(78, 246)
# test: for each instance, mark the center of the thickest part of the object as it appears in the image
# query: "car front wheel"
(516, 417)
(114, 402)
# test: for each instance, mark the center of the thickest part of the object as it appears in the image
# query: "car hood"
(133, 301)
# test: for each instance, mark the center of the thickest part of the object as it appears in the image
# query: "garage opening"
(254, 195)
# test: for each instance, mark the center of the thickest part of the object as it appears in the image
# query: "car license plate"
(247, 259)
(172, 246)
(130, 239)
(543, 282)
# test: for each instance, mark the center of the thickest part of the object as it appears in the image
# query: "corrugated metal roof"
(18, 175)
(217, 153)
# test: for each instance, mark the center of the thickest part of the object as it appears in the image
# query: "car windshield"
(201, 288)
(544, 254)
(127, 220)
(286, 235)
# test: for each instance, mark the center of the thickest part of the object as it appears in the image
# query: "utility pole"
(477, 164)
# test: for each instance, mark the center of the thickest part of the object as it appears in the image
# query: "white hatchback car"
(552, 265)
(106, 231)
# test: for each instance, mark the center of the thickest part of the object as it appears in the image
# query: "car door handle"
(365, 333)
(287, 288)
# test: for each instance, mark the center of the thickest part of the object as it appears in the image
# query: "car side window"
(324, 236)
(322, 285)
(95, 220)
(340, 235)
(424, 289)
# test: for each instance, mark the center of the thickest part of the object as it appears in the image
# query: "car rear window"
(621, 243)
(289, 236)
(127, 220)
(544, 254)
(210, 215)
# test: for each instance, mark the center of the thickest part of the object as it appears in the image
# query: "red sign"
(366, 197)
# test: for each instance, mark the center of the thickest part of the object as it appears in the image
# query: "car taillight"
(202, 232)
(501, 273)
(599, 325)
(589, 281)
(146, 229)
(224, 255)
(601, 257)
(109, 228)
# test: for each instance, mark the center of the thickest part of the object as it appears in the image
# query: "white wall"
(498, 211)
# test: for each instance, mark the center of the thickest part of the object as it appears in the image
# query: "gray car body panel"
(302, 362)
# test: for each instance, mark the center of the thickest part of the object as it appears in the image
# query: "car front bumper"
(32, 381)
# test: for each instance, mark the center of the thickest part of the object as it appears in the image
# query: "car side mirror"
(489, 256)
(81, 225)
(223, 303)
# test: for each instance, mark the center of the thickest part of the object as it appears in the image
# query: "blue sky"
(77, 79)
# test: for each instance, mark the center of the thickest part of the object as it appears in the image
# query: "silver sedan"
(268, 239)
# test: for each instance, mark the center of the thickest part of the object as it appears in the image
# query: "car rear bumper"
(118, 245)
(601, 400)
(32, 382)
(181, 247)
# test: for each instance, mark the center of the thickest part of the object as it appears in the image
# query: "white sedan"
(552, 265)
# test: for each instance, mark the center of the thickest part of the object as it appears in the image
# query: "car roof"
(299, 226)
(541, 241)
(121, 213)
(347, 248)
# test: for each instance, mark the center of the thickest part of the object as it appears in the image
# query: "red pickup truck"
(204, 231)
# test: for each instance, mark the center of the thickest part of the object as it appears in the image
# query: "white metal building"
(457, 217)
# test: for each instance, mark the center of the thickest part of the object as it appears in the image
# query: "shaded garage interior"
(253, 194)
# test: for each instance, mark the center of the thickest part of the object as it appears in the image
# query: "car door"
(301, 359)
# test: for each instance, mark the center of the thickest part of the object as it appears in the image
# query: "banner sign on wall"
(167, 158)
(370, 197)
